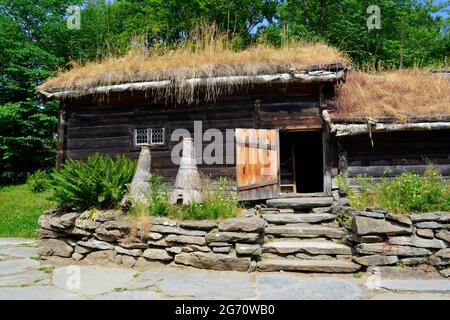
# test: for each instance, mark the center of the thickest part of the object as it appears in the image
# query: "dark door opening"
(301, 162)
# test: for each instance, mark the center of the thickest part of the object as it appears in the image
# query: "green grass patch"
(20, 209)
(47, 269)
(407, 193)
(217, 203)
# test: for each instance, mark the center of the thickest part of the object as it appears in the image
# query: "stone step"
(300, 203)
(318, 246)
(284, 218)
(305, 231)
(341, 266)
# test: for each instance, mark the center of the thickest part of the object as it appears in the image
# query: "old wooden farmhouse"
(287, 111)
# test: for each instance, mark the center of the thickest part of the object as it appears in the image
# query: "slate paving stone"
(36, 293)
(405, 273)
(19, 252)
(293, 287)
(208, 285)
(8, 267)
(24, 279)
(416, 285)
(129, 295)
(93, 280)
(149, 278)
(17, 241)
(410, 296)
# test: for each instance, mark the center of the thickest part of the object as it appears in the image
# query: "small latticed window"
(141, 136)
(157, 136)
(149, 136)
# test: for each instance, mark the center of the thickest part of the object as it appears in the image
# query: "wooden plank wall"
(394, 153)
(106, 125)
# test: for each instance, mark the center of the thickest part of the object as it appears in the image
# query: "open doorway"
(301, 162)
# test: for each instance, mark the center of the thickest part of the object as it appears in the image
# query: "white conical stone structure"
(140, 186)
(188, 182)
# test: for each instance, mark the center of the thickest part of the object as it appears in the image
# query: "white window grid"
(152, 136)
(157, 136)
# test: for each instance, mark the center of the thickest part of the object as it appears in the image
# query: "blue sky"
(443, 12)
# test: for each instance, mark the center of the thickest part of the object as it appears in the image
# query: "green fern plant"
(98, 182)
(38, 181)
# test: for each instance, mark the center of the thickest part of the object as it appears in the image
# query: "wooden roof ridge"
(327, 72)
(345, 126)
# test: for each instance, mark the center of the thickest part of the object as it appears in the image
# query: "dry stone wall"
(379, 238)
(263, 239)
(232, 244)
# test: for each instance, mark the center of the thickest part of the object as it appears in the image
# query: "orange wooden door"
(257, 164)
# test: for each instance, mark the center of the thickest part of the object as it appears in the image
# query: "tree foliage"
(26, 139)
(411, 33)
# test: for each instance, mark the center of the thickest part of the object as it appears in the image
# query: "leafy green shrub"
(360, 199)
(406, 193)
(159, 202)
(38, 181)
(364, 198)
(413, 193)
(217, 203)
(343, 184)
(98, 182)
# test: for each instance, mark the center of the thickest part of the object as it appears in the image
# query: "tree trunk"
(402, 40)
(60, 147)
(323, 4)
(305, 11)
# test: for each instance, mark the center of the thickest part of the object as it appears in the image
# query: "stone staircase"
(304, 237)
(300, 202)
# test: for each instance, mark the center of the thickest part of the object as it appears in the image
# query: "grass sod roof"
(219, 69)
(407, 95)
(176, 74)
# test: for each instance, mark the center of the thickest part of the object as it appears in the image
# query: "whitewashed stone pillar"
(140, 186)
(188, 182)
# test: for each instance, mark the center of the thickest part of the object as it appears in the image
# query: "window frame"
(163, 142)
(150, 137)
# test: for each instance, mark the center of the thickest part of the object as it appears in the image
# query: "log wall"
(106, 125)
(393, 153)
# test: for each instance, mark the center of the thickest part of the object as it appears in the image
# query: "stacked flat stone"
(265, 238)
(232, 244)
(304, 237)
(381, 239)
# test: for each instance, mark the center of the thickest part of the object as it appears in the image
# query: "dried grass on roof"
(209, 55)
(401, 94)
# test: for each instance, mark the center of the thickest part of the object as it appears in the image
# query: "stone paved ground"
(22, 276)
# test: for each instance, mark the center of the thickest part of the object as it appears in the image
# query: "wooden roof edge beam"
(356, 129)
(314, 76)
